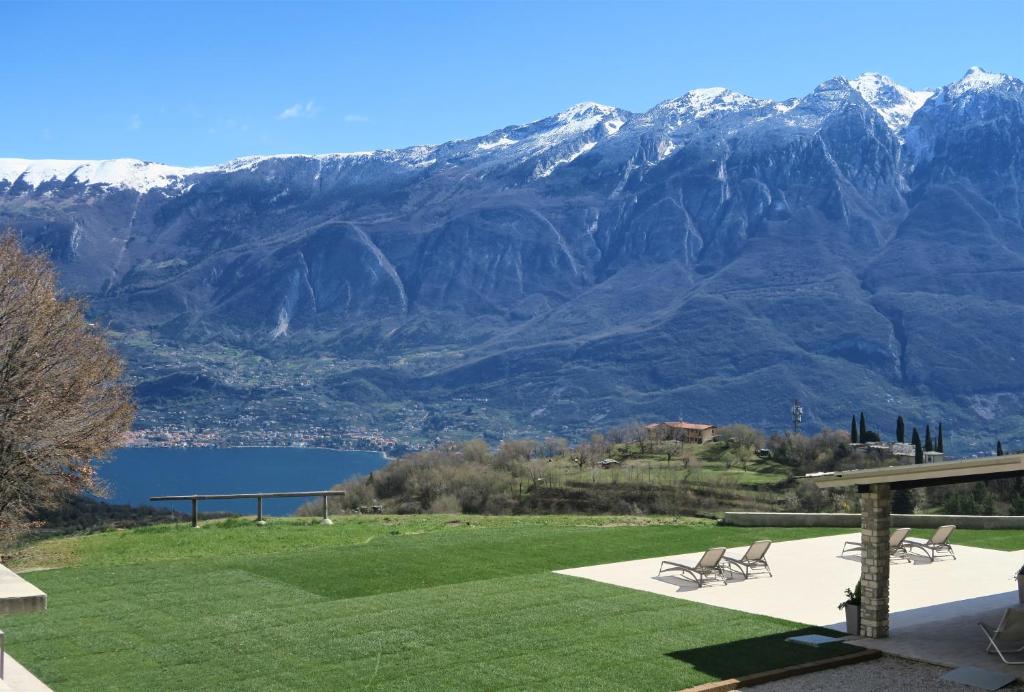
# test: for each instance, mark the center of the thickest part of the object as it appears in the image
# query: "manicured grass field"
(424, 602)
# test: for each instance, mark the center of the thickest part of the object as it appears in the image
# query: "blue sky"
(202, 83)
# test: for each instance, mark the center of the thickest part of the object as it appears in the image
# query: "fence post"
(326, 521)
(195, 512)
(259, 512)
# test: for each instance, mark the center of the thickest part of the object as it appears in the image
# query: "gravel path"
(885, 674)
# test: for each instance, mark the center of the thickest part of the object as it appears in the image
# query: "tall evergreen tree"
(927, 438)
(915, 439)
(938, 441)
(900, 429)
(999, 448)
(903, 501)
(853, 428)
(863, 428)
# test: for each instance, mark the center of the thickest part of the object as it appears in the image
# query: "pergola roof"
(919, 475)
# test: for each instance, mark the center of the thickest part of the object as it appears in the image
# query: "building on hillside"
(698, 433)
(903, 451)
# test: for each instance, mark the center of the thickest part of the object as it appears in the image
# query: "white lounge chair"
(753, 559)
(708, 567)
(1008, 633)
(896, 541)
(938, 543)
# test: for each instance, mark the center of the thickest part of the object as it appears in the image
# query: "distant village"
(314, 436)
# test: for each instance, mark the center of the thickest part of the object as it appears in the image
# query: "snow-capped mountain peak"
(586, 111)
(894, 102)
(977, 80)
(702, 103)
(119, 173)
(557, 140)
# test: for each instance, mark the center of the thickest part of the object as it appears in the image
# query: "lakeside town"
(314, 436)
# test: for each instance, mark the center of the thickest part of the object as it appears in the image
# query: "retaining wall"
(914, 521)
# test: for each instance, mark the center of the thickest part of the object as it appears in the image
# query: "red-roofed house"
(698, 433)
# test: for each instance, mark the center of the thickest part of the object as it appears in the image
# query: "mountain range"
(712, 258)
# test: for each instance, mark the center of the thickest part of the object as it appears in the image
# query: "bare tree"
(476, 451)
(671, 448)
(554, 446)
(63, 401)
(638, 433)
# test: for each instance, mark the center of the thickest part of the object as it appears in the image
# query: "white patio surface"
(17, 678)
(934, 606)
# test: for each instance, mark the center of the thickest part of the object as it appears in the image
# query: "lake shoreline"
(318, 447)
(136, 474)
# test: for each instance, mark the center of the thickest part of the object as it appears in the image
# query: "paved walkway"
(952, 642)
(18, 678)
(883, 675)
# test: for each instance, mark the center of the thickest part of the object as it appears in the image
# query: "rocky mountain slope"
(714, 257)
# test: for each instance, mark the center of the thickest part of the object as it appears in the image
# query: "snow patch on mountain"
(120, 173)
(577, 120)
(894, 102)
(699, 104)
(503, 141)
(977, 79)
(544, 170)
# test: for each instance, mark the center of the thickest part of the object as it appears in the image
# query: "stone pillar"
(875, 506)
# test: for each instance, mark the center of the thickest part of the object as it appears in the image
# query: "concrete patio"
(935, 606)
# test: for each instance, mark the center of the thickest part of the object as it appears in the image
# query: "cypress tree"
(900, 429)
(938, 442)
(999, 448)
(853, 428)
(918, 452)
(863, 428)
(903, 501)
(927, 438)
(915, 438)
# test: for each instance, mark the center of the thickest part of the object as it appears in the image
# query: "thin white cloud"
(298, 110)
(356, 118)
(135, 123)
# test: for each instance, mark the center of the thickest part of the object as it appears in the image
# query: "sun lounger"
(896, 541)
(1008, 633)
(708, 567)
(938, 543)
(752, 561)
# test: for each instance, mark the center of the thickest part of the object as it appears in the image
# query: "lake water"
(137, 473)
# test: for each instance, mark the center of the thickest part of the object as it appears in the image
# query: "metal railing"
(326, 520)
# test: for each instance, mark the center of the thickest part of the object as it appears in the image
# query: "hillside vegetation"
(622, 471)
(627, 471)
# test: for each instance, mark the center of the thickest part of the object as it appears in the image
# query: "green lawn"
(422, 602)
